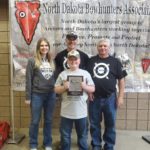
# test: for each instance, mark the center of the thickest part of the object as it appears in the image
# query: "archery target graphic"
(101, 70)
(22, 14)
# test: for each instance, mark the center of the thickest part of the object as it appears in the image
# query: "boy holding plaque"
(73, 84)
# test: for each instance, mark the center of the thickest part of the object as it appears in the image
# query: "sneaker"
(96, 148)
(33, 148)
(48, 148)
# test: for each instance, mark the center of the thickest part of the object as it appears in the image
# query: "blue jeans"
(106, 107)
(66, 126)
(39, 101)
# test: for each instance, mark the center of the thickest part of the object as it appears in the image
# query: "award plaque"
(75, 85)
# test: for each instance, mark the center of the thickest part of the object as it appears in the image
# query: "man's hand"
(119, 101)
(91, 96)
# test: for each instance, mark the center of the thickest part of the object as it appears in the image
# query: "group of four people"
(100, 75)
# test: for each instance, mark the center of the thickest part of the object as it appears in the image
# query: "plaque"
(75, 85)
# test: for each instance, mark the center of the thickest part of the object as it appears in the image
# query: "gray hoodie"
(35, 81)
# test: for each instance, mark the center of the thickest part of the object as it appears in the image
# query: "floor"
(126, 140)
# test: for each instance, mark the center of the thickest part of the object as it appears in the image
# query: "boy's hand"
(83, 85)
(66, 85)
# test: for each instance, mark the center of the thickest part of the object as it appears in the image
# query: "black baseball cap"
(71, 36)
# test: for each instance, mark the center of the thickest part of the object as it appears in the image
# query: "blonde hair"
(38, 58)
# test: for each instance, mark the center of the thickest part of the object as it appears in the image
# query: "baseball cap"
(71, 35)
(73, 53)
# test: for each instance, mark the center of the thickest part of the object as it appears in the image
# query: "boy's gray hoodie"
(35, 82)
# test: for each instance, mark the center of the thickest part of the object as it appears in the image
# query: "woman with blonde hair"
(40, 93)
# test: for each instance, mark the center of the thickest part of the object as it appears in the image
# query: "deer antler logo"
(27, 15)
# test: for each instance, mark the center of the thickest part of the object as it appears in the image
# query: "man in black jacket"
(61, 57)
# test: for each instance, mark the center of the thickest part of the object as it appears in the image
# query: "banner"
(125, 22)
